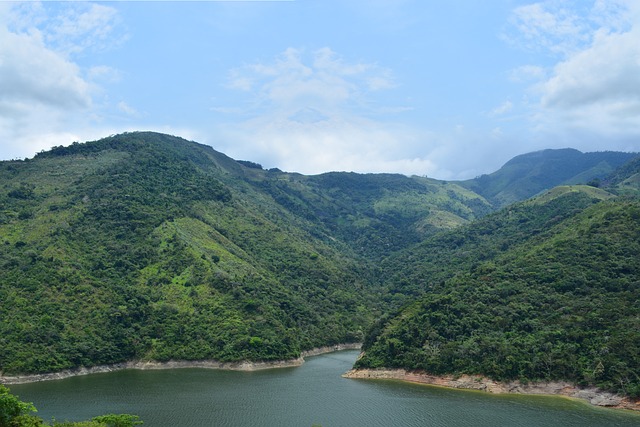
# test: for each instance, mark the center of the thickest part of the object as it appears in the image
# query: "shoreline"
(243, 365)
(592, 395)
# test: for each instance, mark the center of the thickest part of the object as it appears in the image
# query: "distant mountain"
(625, 179)
(526, 175)
(375, 214)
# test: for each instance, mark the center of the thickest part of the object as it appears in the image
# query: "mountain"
(543, 290)
(148, 246)
(375, 214)
(626, 179)
(526, 175)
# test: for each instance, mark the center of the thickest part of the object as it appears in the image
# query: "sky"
(445, 89)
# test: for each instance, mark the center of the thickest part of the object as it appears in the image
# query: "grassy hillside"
(544, 290)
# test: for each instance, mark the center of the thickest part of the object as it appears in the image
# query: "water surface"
(311, 394)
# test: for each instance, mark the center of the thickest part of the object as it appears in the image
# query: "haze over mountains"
(148, 246)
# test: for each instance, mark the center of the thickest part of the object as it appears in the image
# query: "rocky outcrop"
(476, 382)
(177, 364)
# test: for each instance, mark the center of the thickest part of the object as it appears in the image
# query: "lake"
(313, 394)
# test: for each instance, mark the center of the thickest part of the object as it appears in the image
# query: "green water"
(311, 394)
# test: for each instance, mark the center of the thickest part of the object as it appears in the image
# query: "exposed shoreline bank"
(244, 365)
(475, 382)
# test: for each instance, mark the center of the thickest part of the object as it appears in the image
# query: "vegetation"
(148, 246)
(15, 413)
(559, 304)
(134, 247)
(527, 175)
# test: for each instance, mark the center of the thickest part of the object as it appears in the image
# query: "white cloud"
(46, 97)
(321, 80)
(311, 115)
(76, 27)
(30, 73)
(592, 93)
(336, 143)
(607, 71)
(550, 25)
(127, 109)
(503, 108)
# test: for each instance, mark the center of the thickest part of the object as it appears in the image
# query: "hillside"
(543, 290)
(147, 246)
(415, 271)
(375, 214)
(529, 174)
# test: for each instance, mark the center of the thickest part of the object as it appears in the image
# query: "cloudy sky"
(447, 89)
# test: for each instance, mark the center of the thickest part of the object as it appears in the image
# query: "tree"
(118, 420)
(11, 408)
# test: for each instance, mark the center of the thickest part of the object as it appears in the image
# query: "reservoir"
(312, 394)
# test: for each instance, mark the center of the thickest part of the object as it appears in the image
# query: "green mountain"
(148, 246)
(374, 214)
(526, 175)
(543, 290)
(626, 179)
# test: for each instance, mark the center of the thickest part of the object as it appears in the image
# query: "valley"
(148, 247)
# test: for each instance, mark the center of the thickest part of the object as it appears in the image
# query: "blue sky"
(448, 89)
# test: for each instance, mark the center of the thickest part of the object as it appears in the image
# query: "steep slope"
(556, 300)
(415, 271)
(149, 246)
(526, 175)
(375, 214)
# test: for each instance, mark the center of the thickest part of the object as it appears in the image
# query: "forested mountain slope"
(625, 179)
(375, 214)
(543, 290)
(415, 271)
(149, 246)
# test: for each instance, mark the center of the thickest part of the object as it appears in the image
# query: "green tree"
(118, 420)
(12, 409)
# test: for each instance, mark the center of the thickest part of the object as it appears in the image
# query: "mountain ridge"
(529, 174)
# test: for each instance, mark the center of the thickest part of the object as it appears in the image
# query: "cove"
(314, 393)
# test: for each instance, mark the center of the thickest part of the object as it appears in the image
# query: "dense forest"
(145, 246)
(553, 299)
(141, 251)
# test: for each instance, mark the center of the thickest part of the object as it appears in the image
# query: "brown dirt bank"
(475, 382)
(176, 364)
